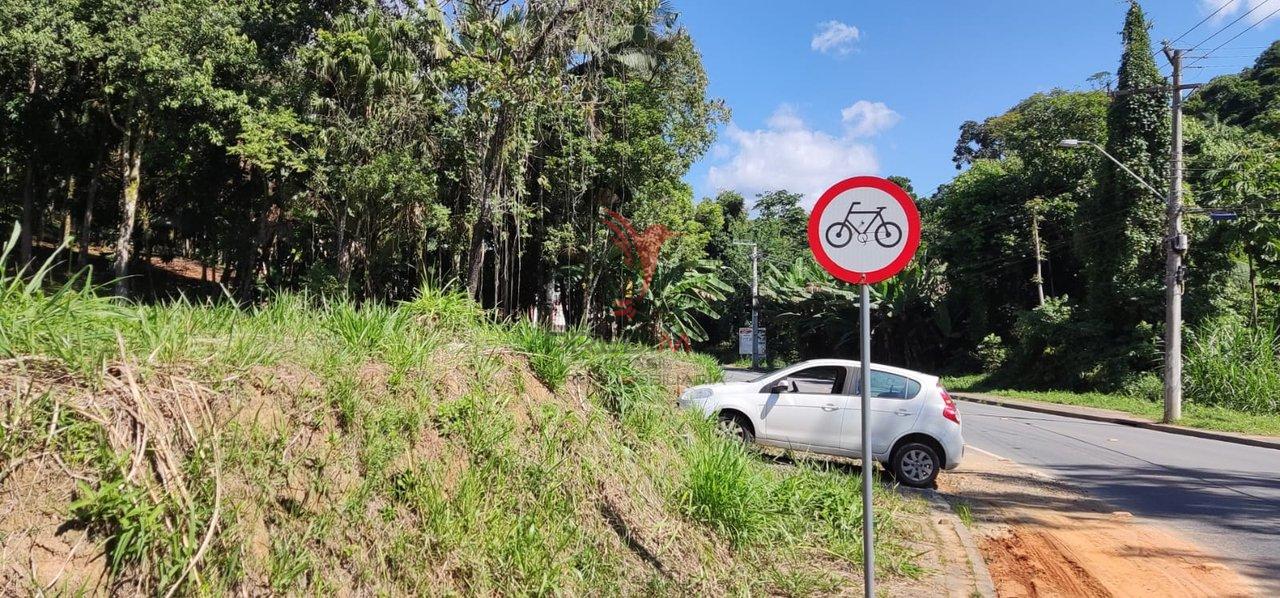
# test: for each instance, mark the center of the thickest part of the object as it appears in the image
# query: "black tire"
(915, 464)
(838, 231)
(735, 426)
(886, 232)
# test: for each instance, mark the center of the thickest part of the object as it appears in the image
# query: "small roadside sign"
(744, 340)
(865, 230)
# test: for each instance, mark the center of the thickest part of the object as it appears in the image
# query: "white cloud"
(867, 119)
(1234, 8)
(834, 37)
(785, 118)
(787, 154)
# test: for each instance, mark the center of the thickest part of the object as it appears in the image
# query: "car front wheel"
(733, 426)
(916, 465)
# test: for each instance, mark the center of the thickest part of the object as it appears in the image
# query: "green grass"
(964, 512)
(397, 449)
(1193, 415)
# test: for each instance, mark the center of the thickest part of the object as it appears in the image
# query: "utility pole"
(1175, 246)
(1175, 243)
(755, 306)
(755, 303)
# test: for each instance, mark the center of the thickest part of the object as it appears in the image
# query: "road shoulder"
(1116, 417)
(1041, 537)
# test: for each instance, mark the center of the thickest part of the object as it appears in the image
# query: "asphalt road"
(1224, 497)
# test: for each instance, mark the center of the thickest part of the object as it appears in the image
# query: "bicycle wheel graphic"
(839, 234)
(888, 234)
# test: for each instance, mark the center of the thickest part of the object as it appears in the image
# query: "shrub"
(991, 353)
(1058, 346)
(1147, 386)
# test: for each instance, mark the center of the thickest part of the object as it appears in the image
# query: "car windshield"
(761, 377)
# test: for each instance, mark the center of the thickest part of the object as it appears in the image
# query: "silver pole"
(868, 466)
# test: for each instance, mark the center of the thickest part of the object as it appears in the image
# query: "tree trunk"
(28, 214)
(475, 258)
(1035, 240)
(67, 208)
(131, 178)
(86, 218)
(252, 259)
(484, 184)
(344, 252)
(1253, 293)
(28, 188)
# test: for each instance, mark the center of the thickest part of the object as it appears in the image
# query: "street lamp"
(1175, 245)
(1074, 143)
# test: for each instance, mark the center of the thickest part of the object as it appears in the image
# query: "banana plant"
(679, 292)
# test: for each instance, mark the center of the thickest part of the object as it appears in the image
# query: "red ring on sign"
(908, 249)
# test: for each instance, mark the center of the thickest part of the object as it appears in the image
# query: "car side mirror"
(777, 388)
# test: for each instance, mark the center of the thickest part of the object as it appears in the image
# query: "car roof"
(858, 364)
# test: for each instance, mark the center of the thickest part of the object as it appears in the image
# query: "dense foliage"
(354, 146)
(532, 153)
(1090, 317)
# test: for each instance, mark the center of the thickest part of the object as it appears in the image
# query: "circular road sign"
(864, 230)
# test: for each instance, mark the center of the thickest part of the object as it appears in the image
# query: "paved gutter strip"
(978, 576)
(1101, 415)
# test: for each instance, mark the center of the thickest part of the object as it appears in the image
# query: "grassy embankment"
(1193, 415)
(321, 446)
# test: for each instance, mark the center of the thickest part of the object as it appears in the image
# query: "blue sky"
(823, 90)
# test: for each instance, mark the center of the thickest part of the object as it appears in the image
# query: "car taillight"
(949, 410)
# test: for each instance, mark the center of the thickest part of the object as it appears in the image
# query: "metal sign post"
(864, 230)
(868, 530)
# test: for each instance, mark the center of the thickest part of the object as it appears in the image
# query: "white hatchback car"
(815, 406)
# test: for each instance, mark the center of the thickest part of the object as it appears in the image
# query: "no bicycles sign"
(864, 230)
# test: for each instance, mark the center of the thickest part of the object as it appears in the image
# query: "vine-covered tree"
(1122, 246)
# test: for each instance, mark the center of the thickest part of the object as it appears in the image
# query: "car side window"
(820, 380)
(892, 386)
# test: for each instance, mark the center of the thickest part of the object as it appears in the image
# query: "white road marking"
(987, 452)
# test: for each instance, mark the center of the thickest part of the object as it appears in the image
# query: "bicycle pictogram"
(887, 234)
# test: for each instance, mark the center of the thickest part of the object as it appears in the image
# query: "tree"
(1122, 246)
(155, 60)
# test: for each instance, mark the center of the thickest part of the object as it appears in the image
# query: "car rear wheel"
(915, 464)
(733, 426)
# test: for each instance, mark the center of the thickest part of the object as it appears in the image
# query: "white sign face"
(863, 229)
(744, 340)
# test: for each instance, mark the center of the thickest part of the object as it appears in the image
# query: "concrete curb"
(1101, 415)
(981, 576)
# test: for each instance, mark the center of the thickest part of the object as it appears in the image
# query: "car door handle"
(829, 407)
(902, 412)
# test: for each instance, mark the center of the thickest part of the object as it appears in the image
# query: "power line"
(1213, 14)
(1244, 31)
(1229, 25)
(1225, 4)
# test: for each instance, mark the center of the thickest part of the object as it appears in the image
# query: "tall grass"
(70, 323)
(726, 489)
(1231, 365)
(552, 356)
(348, 464)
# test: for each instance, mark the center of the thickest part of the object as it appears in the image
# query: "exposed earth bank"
(1042, 538)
